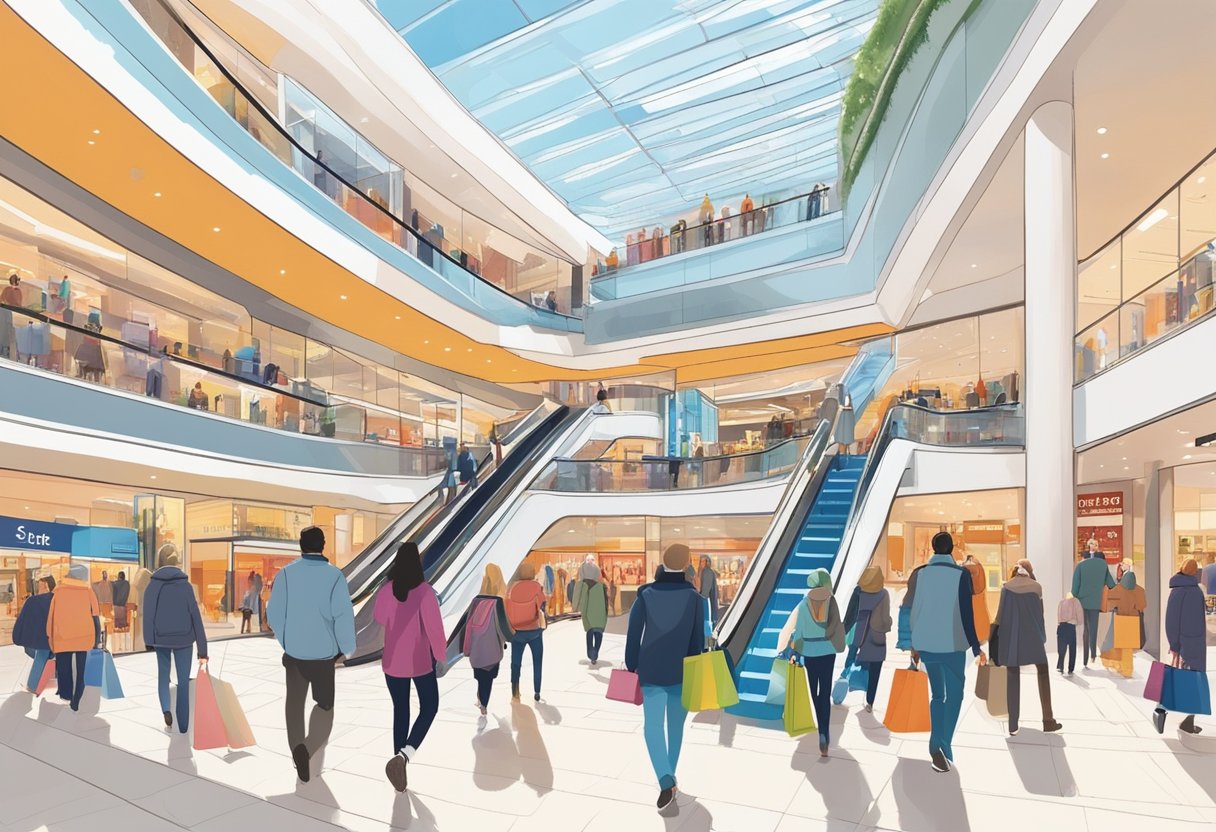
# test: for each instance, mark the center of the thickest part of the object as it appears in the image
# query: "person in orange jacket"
(73, 627)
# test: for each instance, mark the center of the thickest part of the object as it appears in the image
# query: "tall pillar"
(1159, 558)
(1049, 202)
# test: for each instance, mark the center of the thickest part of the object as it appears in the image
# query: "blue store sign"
(78, 541)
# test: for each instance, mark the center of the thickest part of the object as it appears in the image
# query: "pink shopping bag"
(1156, 678)
(209, 729)
(624, 686)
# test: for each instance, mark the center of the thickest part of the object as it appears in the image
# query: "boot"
(1188, 725)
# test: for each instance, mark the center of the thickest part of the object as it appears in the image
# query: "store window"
(1195, 532)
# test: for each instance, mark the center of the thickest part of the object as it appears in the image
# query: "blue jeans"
(947, 679)
(595, 638)
(533, 639)
(181, 659)
(40, 658)
(405, 735)
(663, 718)
(68, 688)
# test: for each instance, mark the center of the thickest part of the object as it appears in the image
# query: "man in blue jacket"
(312, 617)
(666, 625)
(29, 631)
(173, 625)
(1089, 578)
(938, 623)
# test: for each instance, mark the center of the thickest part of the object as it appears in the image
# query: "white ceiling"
(957, 508)
(1171, 440)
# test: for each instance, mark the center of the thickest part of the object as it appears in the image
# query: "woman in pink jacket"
(414, 646)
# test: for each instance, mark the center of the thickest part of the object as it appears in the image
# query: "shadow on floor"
(839, 779)
(409, 812)
(687, 815)
(925, 800)
(1055, 780)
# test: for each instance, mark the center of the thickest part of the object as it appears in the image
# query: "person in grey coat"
(1021, 640)
(1185, 632)
(173, 625)
(869, 617)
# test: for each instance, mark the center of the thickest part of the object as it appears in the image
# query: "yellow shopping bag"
(708, 684)
(798, 717)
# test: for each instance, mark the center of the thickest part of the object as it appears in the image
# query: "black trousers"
(304, 675)
(404, 734)
(1066, 642)
(819, 678)
(485, 677)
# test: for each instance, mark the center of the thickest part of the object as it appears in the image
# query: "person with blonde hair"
(485, 632)
(525, 605)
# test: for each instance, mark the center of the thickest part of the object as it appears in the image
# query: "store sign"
(35, 536)
(1098, 505)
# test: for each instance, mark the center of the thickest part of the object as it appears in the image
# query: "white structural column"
(1050, 242)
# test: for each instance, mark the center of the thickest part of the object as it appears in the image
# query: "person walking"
(937, 622)
(172, 626)
(486, 633)
(466, 466)
(666, 625)
(122, 596)
(1069, 616)
(1089, 578)
(313, 620)
(591, 600)
(73, 628)
(415, 649)
(1185, 633)
(815, 632)
(979, 596)
(707, 586)
(1128, 602)
(250, 601)
(525, 604)
(1021, 641)
(868, 616)
(30, 630)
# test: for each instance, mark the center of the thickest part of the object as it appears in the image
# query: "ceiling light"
(470, 349)
(447, 349)
(216, 229)
(363, 120)
(1105, 155)
(92, 142)
(156, 194)
(27, 508)
(282, 271)
(974, 265)
(489, 361)
(1202, 179)
(426, 342)
(1152, 219)
(396, 317)
(152, 477)
(1101, 131)
(341, 297)
(96, 132)
(454, 175)
(1187, 456)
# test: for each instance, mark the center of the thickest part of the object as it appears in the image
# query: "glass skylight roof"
(633, 110)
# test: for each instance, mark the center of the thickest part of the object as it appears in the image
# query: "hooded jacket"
(666, 624)
(122, 592)
(1088, 580)
(73, 621)
(1023, 634)
(414, 642)
(940, 614)
(814, 627)
(310, 610)
(1127, 598)
(869, 616)
(29, 630)
(1185, 629)
(171, 614)
(591, 599)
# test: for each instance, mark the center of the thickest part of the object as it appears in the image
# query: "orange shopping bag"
(908, 707)
(208, 723)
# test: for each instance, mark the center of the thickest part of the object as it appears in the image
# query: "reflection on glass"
(1099, 283)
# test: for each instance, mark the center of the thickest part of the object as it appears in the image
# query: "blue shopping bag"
(840, 689)
(93, 668)
(858, 676)
(111, 688)
(1186, 692)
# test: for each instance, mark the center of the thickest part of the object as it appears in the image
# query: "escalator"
(442, 534)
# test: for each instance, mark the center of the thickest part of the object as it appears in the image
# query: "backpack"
(482, 641)
(521, 614)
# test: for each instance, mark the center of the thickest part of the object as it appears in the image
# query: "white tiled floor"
(577, 762)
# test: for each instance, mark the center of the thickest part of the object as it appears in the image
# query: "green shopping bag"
(798, 717)
(778, 678)
(708, 685)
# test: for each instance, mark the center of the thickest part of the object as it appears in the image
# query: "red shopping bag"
(48, 673)
(908, 707)
(209, 729)
(1156, 678)
(624, 686)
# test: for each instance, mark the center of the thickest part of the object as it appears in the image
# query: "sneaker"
(939, 761)
(1013, 730)
(1159, 720)
(168, 719)
(394, 770)
(665, 797)
(299, 756)
(869, 707)
(1049, 727)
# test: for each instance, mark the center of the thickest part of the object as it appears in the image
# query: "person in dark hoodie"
(591, 600)
(1022, 642)
(666, 625)
(1185, 632)
(173, 625)
(869, 617)
(29, 630)
(122, 596)
(466, 466)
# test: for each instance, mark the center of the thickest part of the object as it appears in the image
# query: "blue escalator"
(816, 546)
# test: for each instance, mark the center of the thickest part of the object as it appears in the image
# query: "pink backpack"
(482, 641)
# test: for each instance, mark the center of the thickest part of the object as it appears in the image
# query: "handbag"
(1186, 692)
(998, 690)
(1156, 680)
(624, 686)
(1127, 632)
(708, 684)
(778, 681)
(908, 707)
(798, 718)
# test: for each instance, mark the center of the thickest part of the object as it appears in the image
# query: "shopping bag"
(797, 717)
(709, 620)
(624, 686)
(48, 673)
(908, 706)
(998, 691)
(1106, 632)
(236, 726)
(1127, 632)
(1156, 678)
(983, 678)
(840, 689)
(1186, 692)
(708, 684)
(858, 676)
(208, 723)
(778, 679)
(111, 688)
(93, 668)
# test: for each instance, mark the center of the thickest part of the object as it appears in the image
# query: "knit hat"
(79, 572)
(819, 578)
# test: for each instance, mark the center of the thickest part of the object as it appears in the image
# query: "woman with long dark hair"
(414, 647)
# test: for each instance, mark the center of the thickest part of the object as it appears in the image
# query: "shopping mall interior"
(636, 364)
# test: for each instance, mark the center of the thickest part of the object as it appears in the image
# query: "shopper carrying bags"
(486, 633)
(869, 618)
(313, 620)
(1127, 602)
(591, 600)
(173, 625)
(1089, 578)
(30, 631)
(415, 649)
(665, 627)
(1069, 616)
(1186, 635)
(814, 631)
(937, 622)
(707, 585)
(1021, 642)
(525, 604)
(73, 628)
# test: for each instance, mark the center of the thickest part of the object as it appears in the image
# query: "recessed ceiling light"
(1101, 131)
(454, 175)
(27, 508)
(1188, 456)
(447, 349)
(1152, 219)
(341, 297)
(156, 194)
(92, 142)
(396, 317)
(470, 349)
(1202, 179)
(152, 477)
(1105, 155)
(282, 271)
(489, 361)
(974, 265)
(96, 132)
(216, 229)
